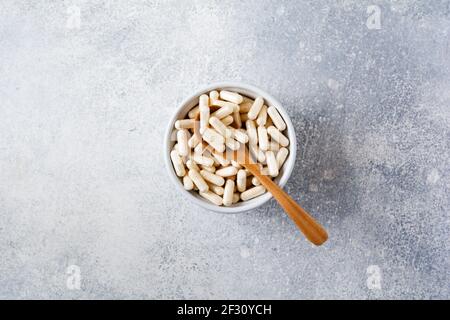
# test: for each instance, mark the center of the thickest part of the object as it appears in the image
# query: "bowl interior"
(251, 92)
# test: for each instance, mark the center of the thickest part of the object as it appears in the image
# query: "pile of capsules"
(224, 121)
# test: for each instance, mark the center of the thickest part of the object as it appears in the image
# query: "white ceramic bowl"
(251, 92)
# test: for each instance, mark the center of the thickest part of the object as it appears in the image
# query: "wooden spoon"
(312, 230)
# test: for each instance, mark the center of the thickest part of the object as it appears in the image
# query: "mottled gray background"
(82, 178)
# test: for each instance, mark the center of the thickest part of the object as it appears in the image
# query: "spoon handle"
(312, 230)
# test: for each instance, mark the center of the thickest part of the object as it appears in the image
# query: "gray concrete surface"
(84, 195)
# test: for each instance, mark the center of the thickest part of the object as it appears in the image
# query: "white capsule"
(203, 101)
(216, 189)
(213, 95)
(198, 180)
(278, 136)
(187, 183)
(257, 153)
(262, 116)
(255, 108)
(192, 114)
(252, 193)
(223, 112)
(204, 112)
(232, 144)
(177, 163)
(227, 171)
(241, 180)
(251, 132)
(236, 198)
(240, 135)
(276, 118)
(228, 193)
(213, 178)
(192, 165)
(182, 138)
(231, 96)
(227, 120)
(211, 196)
(219, 126)
(255, 181)
(220, 103)
(194, 140)
(272, 164)
(214, 139)
(185, 124)
(199, 159)
(263, 139)
(175, 147)
(281, 156)
(220, 158)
